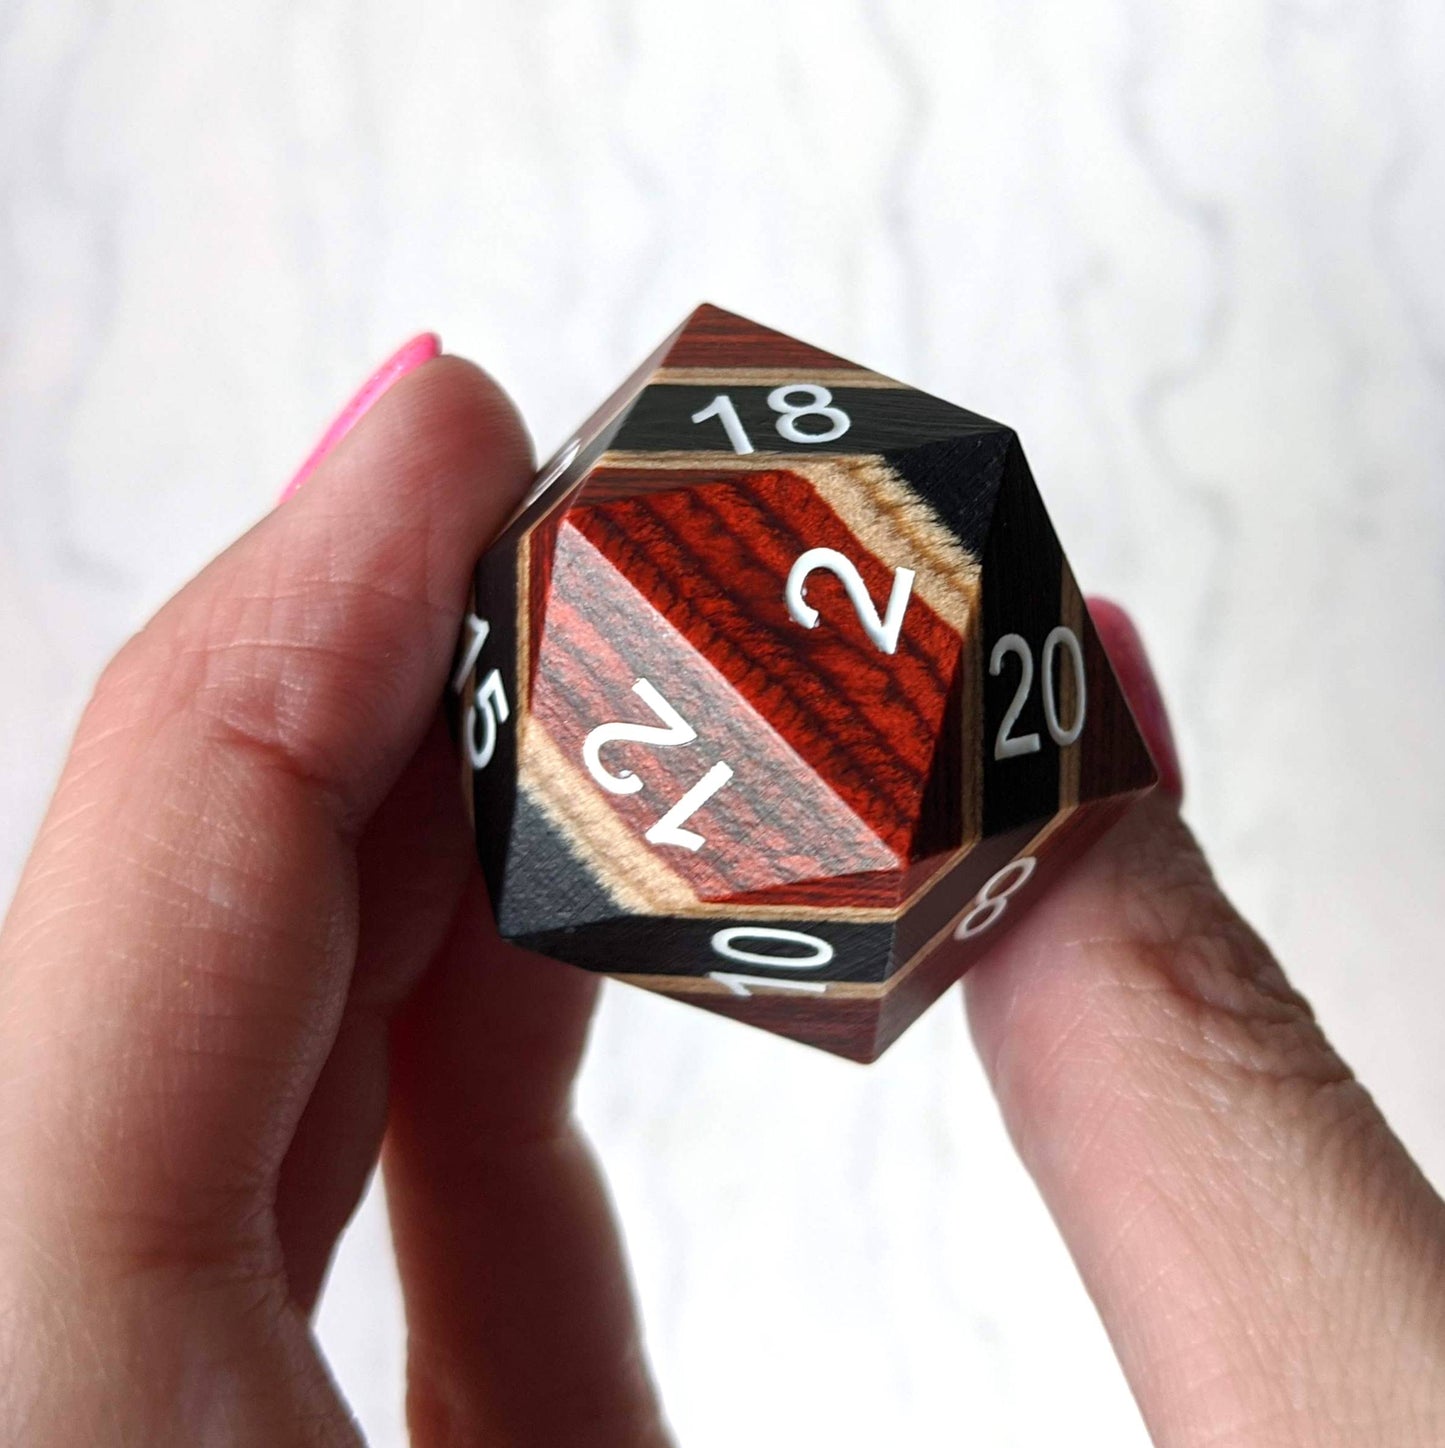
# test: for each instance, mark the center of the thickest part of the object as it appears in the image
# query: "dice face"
(777, 694)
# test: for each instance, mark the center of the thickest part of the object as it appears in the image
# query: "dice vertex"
(777, 694)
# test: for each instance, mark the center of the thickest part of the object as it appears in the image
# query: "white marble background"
(1192, 251)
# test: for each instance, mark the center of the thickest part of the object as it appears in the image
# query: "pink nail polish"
(407, 359)
(1137, 679)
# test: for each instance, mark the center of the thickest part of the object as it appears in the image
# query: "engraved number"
(668, 830)
(477, 630)
(991, 902)
(721, 407)
(674, 730)
(1070, 641)
(1009, 745)
(818, 402)
(725, 942)
(883, 630)
(488, 708)
(489, 704)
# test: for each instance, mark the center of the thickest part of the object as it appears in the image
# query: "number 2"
(883, 631)
(1009, 745)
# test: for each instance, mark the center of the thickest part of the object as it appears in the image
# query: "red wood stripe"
(776, 827)
(713, 337)
(713, 561)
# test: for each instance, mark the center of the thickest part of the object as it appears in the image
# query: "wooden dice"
(778, 696)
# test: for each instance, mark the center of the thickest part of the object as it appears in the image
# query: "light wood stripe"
(520, 710)
(873, 503)
(972, 743)
(722, 460)
(1035, 844)
(635, 877)
(684, 986)
(693, 986)
(901, 531)
(630, 870)
(771, 377)
(533, 745)
(1071, 757)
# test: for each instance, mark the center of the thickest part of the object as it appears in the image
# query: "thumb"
(1267, 1259)
(179, 951)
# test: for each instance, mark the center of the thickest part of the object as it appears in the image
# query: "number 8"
(988, 908)
(818, 405)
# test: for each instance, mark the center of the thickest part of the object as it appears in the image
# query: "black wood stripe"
(881, 420)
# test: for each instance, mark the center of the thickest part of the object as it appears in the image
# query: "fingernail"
(407, 359)
(1136, 677)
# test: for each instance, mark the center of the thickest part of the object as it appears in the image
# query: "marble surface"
(1192, 252)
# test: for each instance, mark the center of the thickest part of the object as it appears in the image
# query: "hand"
(251, 935)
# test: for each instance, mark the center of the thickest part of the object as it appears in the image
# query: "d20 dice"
(777, 694)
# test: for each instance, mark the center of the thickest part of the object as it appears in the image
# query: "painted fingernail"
(406, 359)
(1136, 677)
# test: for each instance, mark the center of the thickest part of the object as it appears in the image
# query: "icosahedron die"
(777, 695)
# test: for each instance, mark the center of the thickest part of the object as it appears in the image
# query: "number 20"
(1009, 745)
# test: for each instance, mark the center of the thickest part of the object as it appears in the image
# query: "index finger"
(1268, 1261)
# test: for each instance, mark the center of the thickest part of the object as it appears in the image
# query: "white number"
(988, 908)
(489, 703)
(477, 631)
(1070, 641)
(675, 730)
(1008, 745)
(819, 404)
(883, 631)
(721, 407)
(668, 830)
(820, 953)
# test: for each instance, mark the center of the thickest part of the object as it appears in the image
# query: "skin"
(251, 949)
